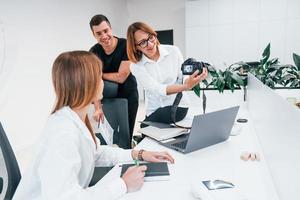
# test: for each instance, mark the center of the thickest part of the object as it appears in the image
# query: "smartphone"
(217, 184)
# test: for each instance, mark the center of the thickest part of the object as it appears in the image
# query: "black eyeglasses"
(144, 43)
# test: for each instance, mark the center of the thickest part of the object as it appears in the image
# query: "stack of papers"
(160, 134)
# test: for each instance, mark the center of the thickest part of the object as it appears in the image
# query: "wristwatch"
(140, 155)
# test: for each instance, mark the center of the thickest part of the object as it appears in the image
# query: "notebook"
(161, 134)
(155, 171)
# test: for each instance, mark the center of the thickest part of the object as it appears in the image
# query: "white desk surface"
(222, 161)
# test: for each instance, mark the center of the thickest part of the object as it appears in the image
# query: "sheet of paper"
(106, 131)
(104, 128)
(161, 133)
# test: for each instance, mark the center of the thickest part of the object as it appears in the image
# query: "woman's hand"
(134, 178)
(194, 79)
(153, 156)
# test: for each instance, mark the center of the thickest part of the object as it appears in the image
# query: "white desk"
(221, 161)
(276, 123)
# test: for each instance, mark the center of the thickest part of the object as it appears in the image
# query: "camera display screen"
(188, 68)
(190, 65)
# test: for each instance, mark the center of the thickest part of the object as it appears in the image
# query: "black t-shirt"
(111, 63)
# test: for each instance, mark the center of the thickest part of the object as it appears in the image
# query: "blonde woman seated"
(68, 150)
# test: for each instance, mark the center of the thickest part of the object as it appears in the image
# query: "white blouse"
(155, 76)
(65, 162)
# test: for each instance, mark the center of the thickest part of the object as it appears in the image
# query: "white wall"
(227, 31)
(161, 15)
(35, 33)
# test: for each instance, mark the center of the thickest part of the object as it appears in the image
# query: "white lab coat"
(65, 161)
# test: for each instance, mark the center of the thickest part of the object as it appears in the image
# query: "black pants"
(163, 115)
(132, 97)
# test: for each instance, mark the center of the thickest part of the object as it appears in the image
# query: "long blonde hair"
(76, 76)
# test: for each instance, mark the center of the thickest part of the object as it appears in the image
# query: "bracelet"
(140, 156)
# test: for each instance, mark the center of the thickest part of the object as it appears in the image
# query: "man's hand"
(98, 115)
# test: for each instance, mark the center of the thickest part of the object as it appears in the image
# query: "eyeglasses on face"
(144, 43)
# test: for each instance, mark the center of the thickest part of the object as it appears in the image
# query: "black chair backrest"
(110, 89)
(1, 184)
(9, 169)
(116, 113)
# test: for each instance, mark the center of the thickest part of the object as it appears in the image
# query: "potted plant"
(274, 74)
(220, 80)
(292, 74)
(269, 71)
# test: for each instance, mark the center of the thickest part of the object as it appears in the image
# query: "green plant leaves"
(296, 59)
(266, 54)
(269, 71)
(227, 79)
(197, 89)
(239, 79)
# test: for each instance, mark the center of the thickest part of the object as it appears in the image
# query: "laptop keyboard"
(180, 145)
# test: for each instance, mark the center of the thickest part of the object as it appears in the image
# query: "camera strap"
(174, 110)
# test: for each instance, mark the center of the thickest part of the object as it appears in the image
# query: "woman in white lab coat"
(158, 69)
(68, 150)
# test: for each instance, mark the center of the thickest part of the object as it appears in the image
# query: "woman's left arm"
(152, 156)
(109, 156)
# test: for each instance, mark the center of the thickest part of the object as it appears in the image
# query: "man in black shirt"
(116, 66)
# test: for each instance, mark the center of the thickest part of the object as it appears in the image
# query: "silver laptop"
(207, 130)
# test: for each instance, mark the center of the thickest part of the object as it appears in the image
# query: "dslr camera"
(190, 65)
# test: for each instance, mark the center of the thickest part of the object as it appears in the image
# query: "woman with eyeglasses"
(158, 69)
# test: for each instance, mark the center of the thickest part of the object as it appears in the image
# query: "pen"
(136, 162)
(99, 116)
(99, 122)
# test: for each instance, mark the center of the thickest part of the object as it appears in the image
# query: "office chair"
(116, 112)
(9, 170)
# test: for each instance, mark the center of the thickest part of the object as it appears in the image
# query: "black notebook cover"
(153, 169)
